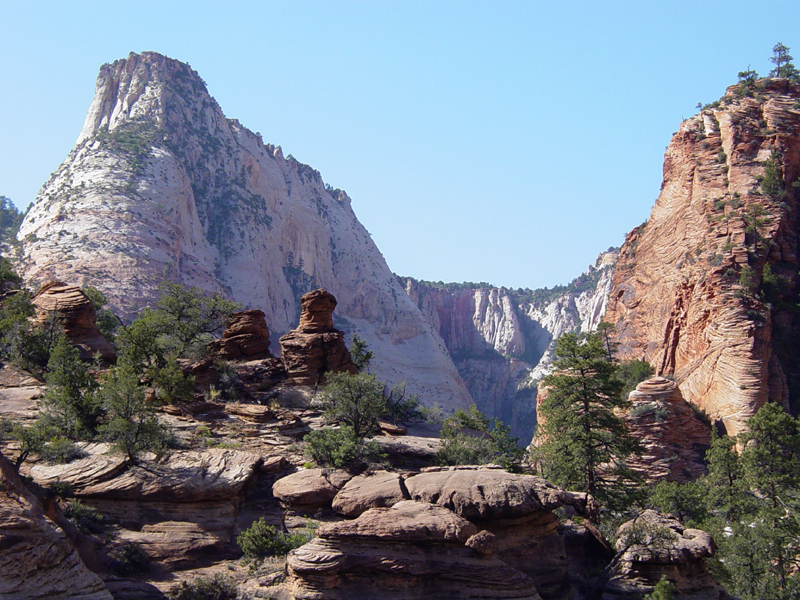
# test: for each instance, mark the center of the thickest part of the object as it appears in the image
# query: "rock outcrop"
(458, 532)
(37, 560)
(502, 340)
(655, 546)
(76, 315)
(673, 437)
(161, 185)
(246, 337)
(316, 347)
(705, 289)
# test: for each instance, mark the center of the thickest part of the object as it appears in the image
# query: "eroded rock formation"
(673, 437)
(704, 290)
(76, 315)
(656, 546)
(37, 560)
(487, 533)
(162, 185)
(246, 337)
(316, 347)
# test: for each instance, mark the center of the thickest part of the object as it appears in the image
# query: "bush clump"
(470, 438)
(216, 587)
(131, 558)
(85, 518)
(340, 448)
(261, 540)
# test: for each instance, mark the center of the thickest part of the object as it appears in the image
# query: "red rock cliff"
(705, 289)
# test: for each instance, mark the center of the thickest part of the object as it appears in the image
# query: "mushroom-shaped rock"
(76, 315)
(307, 489)
(315, 347)
(245, 337)
(372, 490)
(481, 493)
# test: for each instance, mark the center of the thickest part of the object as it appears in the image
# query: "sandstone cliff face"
(502, 340)
(162, 185)
(705, 289)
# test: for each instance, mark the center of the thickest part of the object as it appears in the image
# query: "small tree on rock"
(783, 63)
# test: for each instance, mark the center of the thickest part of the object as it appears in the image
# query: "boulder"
(37, 560)
(309, 488)
(372, 490)
(654, 545)
(315, 347)
(76, 315)
(245, 337)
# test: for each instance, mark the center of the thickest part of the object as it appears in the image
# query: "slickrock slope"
(162, 185)
(37, 560)
(705, 289)
(502, 340)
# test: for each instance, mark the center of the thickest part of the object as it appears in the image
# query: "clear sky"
(506, 142)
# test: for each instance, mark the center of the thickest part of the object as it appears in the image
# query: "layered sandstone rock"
(410, 551)
(246, 337)
(76, 315)
(37, 560)
(655, 546)
(456, 532)
(162, 185)
(316, 347)
(704, 289)
(309, 488)
(673, 437)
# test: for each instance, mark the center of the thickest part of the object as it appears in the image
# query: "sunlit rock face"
(705, 289)
(161, 185)
(502, 340)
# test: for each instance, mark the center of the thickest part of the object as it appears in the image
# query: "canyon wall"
(705, 290)
(162, 186)
(502, 340)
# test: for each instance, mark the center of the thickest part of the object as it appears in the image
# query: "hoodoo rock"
(705, 289)
(675, 440)
(76, 315)
(315, 347)
(37, 561)
(245, 337)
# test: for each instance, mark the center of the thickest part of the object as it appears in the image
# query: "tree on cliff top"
(585, 444)
(783, 63)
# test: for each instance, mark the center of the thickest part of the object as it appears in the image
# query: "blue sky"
(506, 142)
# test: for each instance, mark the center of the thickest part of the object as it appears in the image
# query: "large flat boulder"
(372, 490)
(309, 488)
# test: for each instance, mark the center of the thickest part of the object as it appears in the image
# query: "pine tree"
(584, 443)
(783, 63)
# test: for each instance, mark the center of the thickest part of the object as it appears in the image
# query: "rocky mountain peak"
(162, 186)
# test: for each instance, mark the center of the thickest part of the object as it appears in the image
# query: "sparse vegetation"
(261, 540)
(340, 448)
(470, 438)
(215, 587)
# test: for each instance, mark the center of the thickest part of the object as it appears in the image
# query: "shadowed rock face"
(76, 315)
(704, 289)
(37, 560)
(675, 440)
(315, 347)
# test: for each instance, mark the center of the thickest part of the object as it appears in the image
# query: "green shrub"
(261, 540)
(62, 489)
(340, 448)
(656, 409)
(131, 558)
(662, 591)
(85, 518)
(354, 400)
(470, 438)
(216, 587)
(60, 451)
(632, 372)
